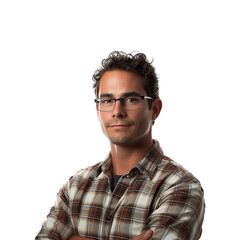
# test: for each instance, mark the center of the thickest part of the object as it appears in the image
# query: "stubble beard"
(119, 141)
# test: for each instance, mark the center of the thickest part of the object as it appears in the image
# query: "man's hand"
(144, 235)
(75, 237)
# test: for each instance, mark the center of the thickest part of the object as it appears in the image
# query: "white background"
(48, 125)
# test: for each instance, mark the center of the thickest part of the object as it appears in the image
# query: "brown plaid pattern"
(157, 193)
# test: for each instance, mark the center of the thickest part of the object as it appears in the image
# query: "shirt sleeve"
(179, 213)
(58, 224)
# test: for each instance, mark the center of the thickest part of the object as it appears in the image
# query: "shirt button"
(109, 216)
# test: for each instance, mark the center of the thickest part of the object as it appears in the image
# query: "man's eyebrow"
(126, 94)
(106, 95)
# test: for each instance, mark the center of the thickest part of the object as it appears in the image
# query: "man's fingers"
(75, 237)
(144, 235)
(148, 234)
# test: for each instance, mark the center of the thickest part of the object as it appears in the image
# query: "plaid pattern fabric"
(156, 194)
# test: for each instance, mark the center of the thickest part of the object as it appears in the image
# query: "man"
(136, 192)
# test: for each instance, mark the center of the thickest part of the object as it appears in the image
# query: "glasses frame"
(97, 100)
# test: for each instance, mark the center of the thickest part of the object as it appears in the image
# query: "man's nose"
(118, 111)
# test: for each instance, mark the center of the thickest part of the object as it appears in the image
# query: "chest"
(100, 213)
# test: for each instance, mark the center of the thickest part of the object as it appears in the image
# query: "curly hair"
(135, 63)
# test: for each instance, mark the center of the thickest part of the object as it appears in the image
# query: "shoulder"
(171, 174)
(78, 181)
(176, 185)
(86, 173)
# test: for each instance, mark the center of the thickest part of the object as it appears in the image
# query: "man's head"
(127, 121)
(137, 64)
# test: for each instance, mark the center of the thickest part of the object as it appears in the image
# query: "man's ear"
(156, 108)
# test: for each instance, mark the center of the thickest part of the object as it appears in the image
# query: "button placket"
(109, 216)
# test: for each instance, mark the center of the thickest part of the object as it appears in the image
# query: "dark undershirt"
(116, 179)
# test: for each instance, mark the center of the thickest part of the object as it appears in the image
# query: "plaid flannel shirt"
(156, 194)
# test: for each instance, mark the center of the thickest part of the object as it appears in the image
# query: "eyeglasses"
(128, 103)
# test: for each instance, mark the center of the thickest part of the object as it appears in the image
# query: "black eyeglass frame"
(96, 100)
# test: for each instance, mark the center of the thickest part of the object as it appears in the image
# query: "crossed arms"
(177, 215)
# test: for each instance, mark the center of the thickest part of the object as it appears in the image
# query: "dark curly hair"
(135, 63)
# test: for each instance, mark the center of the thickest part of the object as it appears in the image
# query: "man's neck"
(124, 158)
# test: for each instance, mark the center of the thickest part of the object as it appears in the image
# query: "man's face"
(125, 127)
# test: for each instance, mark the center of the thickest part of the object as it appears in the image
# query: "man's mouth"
(119, 126)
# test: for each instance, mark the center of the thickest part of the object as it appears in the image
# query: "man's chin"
(121, 141)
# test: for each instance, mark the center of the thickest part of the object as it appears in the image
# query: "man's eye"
(106, 101)
(131, 100)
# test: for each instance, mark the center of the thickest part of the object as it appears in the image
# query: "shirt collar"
(153, 158)
(106, 165)
(146, 166)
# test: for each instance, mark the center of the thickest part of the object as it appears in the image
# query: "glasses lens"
(132, 103)
(106, 104)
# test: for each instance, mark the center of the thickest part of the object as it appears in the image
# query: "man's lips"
(119, 126)
(115, 124)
